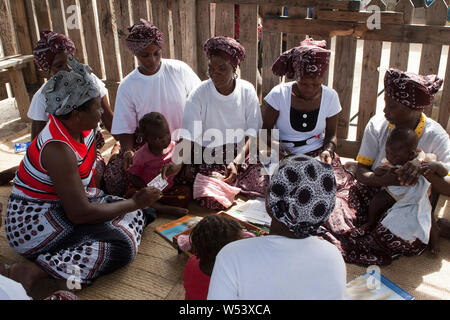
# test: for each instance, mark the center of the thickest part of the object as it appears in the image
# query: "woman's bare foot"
(171, 210)
(444, 228)
(27, 274)
(433, 244)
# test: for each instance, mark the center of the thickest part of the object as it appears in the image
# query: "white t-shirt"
(165, 92)
(12, 290)
(278, 268)
(38, 104)
(279, 98)
(432, 139)
(238, 110)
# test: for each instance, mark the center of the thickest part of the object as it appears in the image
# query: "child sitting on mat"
(408, 210)
(149, 160)
(208, 237)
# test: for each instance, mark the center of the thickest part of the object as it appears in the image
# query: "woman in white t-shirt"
(220, 115)
(305, 111)
(156, 85)
(292, 262)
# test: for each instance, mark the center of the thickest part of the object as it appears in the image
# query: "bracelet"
(331, 152)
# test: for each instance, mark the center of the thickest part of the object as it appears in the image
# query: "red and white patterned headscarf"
(226, 47)
(48, 46)
(411, 90)
(310, 57)
(143, 34)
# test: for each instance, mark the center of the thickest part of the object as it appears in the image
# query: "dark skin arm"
(63, 171)
(107, 116)
(330, 140)
(366, 176)
(36, 128)
(127, 144)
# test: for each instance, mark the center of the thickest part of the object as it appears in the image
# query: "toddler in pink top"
(150, 158)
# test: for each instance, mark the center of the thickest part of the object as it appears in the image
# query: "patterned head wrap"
(50, 44)
(66, 91)
(143, 34)
(310, 57)
(226, 47)
(411, 90)
(302, 194)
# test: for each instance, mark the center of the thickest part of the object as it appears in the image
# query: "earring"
(235, 76)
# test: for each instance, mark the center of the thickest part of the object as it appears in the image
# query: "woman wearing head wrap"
(292, 262)
(156, 85)
(220, 104)
(50, 56)
(406, 95)
(305, 111)
(56, 217)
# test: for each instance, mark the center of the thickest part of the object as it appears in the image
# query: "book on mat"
(169, 230)
(374, 286)
(253, 211)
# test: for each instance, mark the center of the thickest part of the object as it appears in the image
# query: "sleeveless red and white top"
(33, 180)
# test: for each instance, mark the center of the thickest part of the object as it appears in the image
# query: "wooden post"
(108, 47)
(188, 17)
(203, 34)
(7, 39)
(20, 92)
(435, 14)
(400, 50)
(139, 10)
(225, 19)
(248, 36)
(177, 28)
(293, 40)
(42, 15)
(57, 16)
(160, 14)
(74, 32)
(123, 22)
(271, 51)
(90, 37)
(344, 67)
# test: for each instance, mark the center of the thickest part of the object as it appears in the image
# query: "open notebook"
(374, 286)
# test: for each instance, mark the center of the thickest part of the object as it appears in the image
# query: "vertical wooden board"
(435, 14)
(444, 108)
(400, 51)
(74, 29)
(34, 32)
(160, 14)
(20, 92)
(7, 30)
(57, 16)
(344, 67)
(271, 42)
(123, 22)
(42, 15)
(369, 84)
(139, 10)
(248, 36)
(203, 34)
(188, 25)
(24, 36)
(90, 37)
(178, 32)
(109, 49)
(293, 40)
(225, 19)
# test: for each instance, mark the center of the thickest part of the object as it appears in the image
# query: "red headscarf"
(50, 44)
(310, 57)
(411, 90)
(143, 34)
(226, 47)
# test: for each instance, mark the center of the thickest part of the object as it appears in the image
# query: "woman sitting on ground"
(305, 111)
(56, 217)
(223, 104)
(156, 85)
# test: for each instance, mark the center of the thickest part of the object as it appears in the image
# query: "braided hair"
(210, 235)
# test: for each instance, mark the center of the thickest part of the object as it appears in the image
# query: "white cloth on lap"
(12, 290)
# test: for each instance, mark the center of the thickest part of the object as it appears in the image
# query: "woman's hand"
(326, 157)
(127, 159)
(231, 173)
(146, 197)
(409, 173)
(390, 178)
(170, 169)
